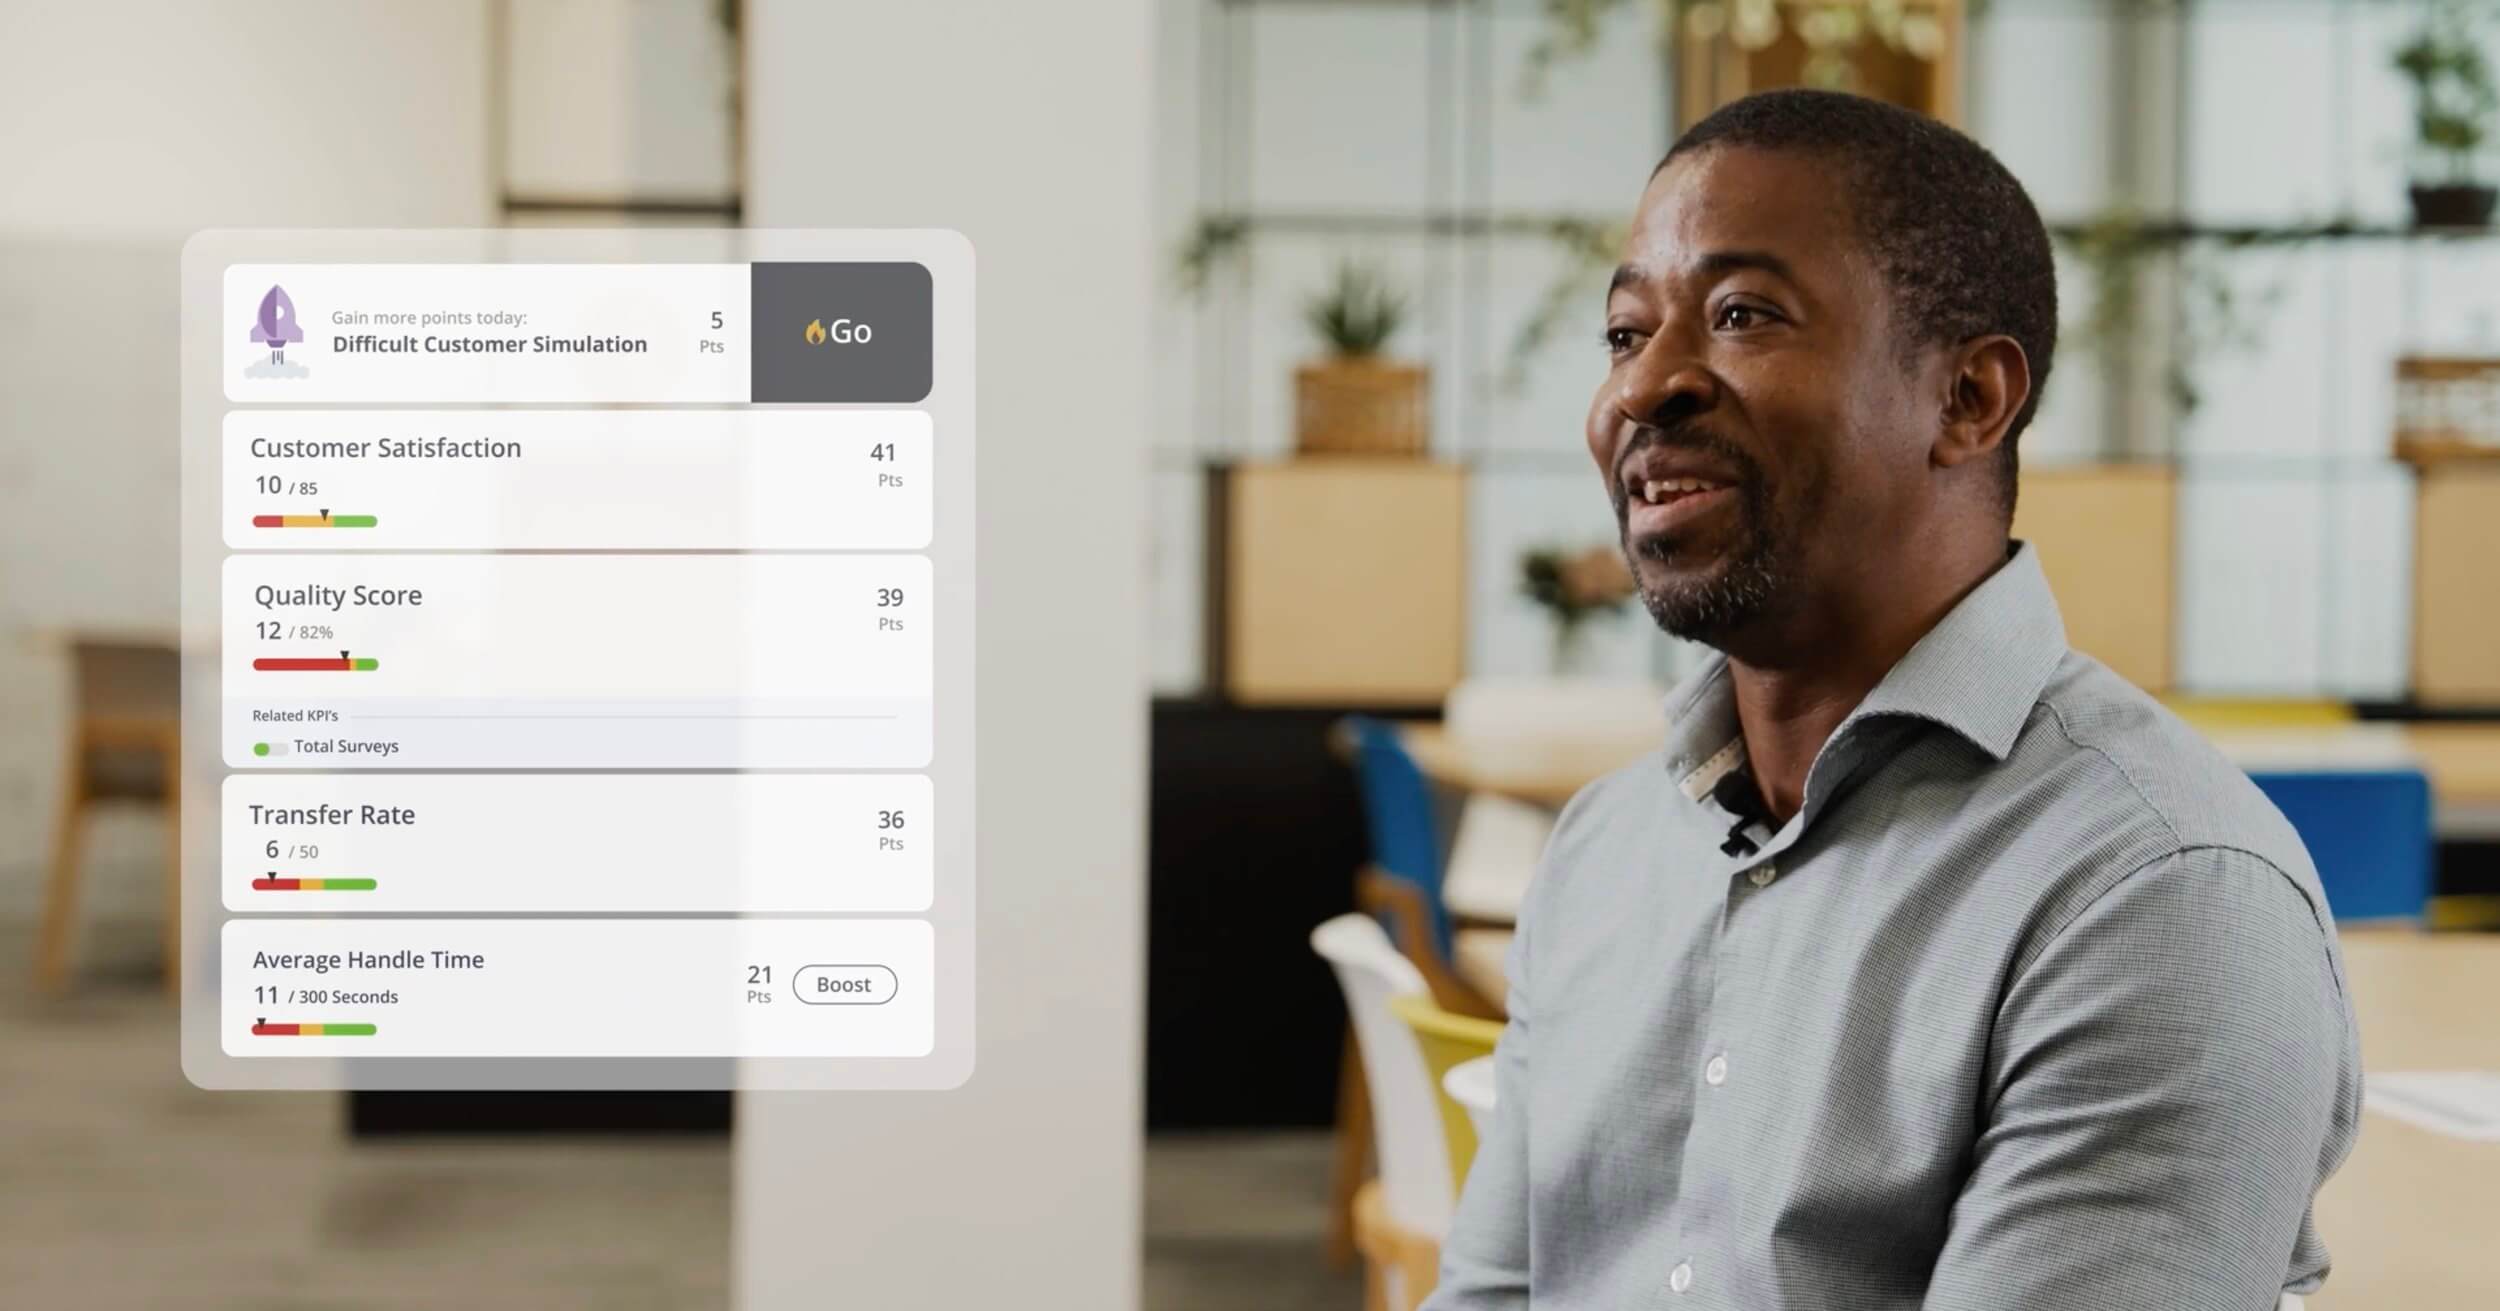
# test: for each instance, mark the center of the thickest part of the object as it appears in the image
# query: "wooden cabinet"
(2456, 585)
(2107, 535)
(1340, 580)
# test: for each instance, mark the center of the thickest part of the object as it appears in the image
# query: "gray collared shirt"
(2034, 1004)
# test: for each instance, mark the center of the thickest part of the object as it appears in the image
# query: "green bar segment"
(362, 664)
(352, 521)
(345, 1030)
(344, 885)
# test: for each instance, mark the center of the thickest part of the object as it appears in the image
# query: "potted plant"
(1354, 402)
(2454, 103)
(1575, 587)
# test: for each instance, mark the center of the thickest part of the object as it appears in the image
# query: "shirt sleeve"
(2171, 1078)
(1484, 1262)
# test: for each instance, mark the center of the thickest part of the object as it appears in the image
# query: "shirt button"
(1715, 1073)
(1681, 1278)
(1762, 876)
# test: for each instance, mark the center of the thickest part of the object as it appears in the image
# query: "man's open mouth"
(1667, 491)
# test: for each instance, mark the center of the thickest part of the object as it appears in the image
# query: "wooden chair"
(1401, 1266)
(124, 745)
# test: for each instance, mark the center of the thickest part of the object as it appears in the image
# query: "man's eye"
(1735, 317)
(1622, 341)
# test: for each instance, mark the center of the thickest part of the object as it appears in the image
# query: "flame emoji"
(815, 332)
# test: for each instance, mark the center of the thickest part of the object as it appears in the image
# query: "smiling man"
(1929, 964)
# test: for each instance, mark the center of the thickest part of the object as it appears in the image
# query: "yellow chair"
(1449, 1040)
(2237, 714)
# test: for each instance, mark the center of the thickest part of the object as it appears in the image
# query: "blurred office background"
(1382, 636)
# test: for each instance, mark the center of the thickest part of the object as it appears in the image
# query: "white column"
(1028, 127)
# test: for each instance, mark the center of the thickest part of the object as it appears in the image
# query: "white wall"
(619, 98)
(1027, 127)
(132, 125)
(154, 118)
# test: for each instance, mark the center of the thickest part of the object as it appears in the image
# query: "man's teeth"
(1659, 489)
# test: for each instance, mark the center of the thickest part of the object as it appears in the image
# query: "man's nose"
(1666, 384)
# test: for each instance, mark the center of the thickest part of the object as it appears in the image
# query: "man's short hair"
(1953, 232)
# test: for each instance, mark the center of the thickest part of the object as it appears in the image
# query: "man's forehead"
(1728, 198)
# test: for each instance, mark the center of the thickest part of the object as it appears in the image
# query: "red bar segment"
(269, 521)
(301, 664)
(277, 885)
(277, 1030)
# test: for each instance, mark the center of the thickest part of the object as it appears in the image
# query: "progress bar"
(264, 1029)
(314, 521)
(316, 664)
(275, 884)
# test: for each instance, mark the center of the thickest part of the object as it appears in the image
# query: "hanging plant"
(2454, 107)
(2216, 316)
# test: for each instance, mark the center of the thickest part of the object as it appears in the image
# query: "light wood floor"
(123, 1187)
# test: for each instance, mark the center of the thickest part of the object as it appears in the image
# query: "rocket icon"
(276, 324)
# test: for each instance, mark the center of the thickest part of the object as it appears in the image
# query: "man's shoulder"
(1624, 809)
(2129, 760)
(1623, 794)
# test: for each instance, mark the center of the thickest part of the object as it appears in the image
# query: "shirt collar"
(1978, 672)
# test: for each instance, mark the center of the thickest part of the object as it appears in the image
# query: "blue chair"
(2369, 833)
(1404, 823)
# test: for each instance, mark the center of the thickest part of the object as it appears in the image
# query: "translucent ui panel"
(577, 659)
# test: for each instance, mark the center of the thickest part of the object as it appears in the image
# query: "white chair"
(1399, 1223)
(1470, 1084)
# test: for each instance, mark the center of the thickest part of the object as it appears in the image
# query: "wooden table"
(2463, 761)
(1542, 774)
(2413, 1218)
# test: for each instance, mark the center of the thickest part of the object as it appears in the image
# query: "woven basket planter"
(1356, 405)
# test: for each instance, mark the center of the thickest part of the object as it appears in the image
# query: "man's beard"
(1711, 609)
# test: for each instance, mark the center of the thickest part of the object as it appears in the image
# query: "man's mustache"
(1690, 437)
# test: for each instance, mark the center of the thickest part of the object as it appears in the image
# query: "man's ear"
(1989, 381)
